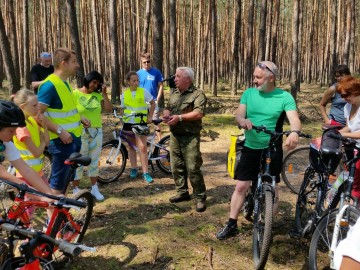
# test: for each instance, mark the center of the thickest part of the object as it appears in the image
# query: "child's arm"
(151, 111)
(44, 134)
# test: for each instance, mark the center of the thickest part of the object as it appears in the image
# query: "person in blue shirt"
(150, 79)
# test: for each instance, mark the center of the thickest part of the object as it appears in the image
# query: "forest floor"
(136, 227)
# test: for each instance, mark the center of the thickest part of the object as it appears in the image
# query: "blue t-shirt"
(48, 95)
(265, 109)
(150, 79)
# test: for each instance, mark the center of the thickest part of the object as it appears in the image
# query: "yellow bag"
(234, 153)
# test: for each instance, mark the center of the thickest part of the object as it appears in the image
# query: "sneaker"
(133, 173)
(147, 177)
(96, 193)
(76, 190)
(227, 231)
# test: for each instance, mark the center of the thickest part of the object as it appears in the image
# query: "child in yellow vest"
(32, 139)
(135, 99)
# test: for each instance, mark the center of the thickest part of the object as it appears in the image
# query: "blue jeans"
(60, 152)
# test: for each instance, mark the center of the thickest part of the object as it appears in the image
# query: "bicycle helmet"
(141, 130)
(11, 115)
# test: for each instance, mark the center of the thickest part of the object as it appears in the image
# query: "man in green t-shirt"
(263, 105)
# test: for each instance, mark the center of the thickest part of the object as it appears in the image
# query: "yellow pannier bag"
(234, 153)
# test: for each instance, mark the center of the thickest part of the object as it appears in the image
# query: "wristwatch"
(180, 118)
(59, 130)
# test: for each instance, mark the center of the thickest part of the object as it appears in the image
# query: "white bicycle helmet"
(141, 130)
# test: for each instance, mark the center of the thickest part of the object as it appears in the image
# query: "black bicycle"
(311, 200)
(335, 224)
(259, 201)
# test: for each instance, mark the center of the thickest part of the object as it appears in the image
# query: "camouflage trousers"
(186, 162)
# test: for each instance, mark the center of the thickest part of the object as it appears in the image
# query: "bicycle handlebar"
(64, 246)
(61, 200)
(156, 121)
(275, 133)
(348, 141)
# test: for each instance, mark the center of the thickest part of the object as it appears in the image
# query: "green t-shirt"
(89, 106)
(265, 109)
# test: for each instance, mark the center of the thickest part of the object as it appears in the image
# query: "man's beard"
(263, 87)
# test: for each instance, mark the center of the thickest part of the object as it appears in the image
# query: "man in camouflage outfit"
(186, 108)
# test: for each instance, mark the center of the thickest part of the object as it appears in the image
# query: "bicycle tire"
(164, 164)
(321, 239)
(293, 167)
(263, 220)
(62, 226)
(110, 172)
(307, 202)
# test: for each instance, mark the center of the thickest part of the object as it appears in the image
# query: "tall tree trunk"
(145, 45)
(173, 41)
(13, 39)
(214, 56)
(295, 84)
(235, 51)
(14, 82)
(199, 41)
(262, 32)
(274, 34)
(74, 31)
(158, 20)
(26, 44)
(95, 30)
(249, 43)
(348, 31)
(115, 85)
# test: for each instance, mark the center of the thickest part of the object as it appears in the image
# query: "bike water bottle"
(333, 190)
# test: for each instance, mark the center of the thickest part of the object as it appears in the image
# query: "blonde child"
(134, 100)
(32, 139)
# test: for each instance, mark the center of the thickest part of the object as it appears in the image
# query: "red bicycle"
(71, 216)
(31, 241)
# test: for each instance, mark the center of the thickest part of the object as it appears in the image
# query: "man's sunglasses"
(146, 62)
(263, 66)
(345, 95)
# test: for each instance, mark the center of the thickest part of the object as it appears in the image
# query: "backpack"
(234, 153)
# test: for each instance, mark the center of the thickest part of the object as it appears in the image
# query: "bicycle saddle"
(77, 158)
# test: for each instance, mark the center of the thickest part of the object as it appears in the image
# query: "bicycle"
(28, 260)
(310, 204)
(296, 162)
(259, 201)
(71, 216)
(114, 155)
(334, 225)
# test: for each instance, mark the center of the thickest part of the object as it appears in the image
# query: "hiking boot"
(180, 198)
(200, 206)
(76, 190)
(133, 173)
(147, 177)
(227, 231)
(96, 193)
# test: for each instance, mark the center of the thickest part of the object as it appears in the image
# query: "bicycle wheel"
(308, 202)
(110, 166)
(294, 166)
(47, 164)
(322, 237)
(162, 153)
(63, 228)
(263, 220)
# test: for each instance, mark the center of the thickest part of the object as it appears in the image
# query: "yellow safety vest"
(68, 117)
(26, 155)
(135, 104)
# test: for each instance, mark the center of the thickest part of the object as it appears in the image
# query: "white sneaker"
(76, 190)
(96, 193)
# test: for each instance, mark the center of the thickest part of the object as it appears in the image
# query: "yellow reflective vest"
(26, 155)
(135, 104)
(68, 117)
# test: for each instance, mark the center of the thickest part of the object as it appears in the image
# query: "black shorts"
(248, 167)
(128, 126)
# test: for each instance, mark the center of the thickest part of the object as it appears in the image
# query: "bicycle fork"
(114, 152)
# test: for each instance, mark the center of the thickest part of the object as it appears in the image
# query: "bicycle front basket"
(330, 149)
